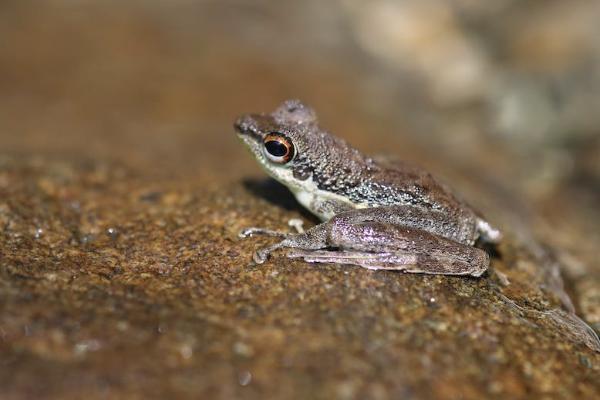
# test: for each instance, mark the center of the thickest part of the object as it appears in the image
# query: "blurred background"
(509, 80)
(503, 93)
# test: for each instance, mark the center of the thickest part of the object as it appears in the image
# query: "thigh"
(460, 228)
(383, 246)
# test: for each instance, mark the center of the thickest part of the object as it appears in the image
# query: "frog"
(374, 213)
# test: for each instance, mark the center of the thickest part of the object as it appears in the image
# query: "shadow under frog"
(276, 194)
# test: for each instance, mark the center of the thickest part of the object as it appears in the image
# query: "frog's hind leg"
(392, 261)
(364, 259)
(379, 246)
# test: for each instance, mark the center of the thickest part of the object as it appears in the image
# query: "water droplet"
(122, 325)
(244, 378)
(242, 349)
(39, 232)
(112, 233)
(186, 351)
(86, 239)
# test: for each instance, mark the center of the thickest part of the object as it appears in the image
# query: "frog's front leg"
(313, 239)
(295, 223)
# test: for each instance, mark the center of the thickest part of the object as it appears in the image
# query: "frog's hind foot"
(392, 261)
(362, 259)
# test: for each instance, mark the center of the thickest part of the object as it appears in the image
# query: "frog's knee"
(368, 235)
(480, 263)
(260, 256)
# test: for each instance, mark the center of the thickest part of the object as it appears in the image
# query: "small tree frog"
(374, 214)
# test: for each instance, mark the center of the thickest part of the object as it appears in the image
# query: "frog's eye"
(278, 148)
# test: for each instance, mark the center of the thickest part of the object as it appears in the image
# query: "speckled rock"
(115, 285)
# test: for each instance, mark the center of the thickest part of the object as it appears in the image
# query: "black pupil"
(276, 148)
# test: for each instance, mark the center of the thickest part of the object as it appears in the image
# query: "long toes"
(248, 232)
(244, 233)
(260, 256)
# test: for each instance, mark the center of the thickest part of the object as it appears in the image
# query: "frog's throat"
(308, 193)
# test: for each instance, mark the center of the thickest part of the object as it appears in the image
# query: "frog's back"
(399, 183)
(403, 184)
(363, 182)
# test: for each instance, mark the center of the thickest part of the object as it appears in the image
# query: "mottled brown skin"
(377, 215)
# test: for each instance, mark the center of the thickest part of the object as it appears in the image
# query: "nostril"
(237, 125)
(243, 124)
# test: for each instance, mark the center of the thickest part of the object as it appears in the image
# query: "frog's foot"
(261, 255)
(392, 261)
(297, 224)
(363, 259)
(313, 239)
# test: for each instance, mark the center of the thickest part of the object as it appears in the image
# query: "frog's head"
(282, 141)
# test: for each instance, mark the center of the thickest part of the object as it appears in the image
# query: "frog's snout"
(254, 125)
(243, 124)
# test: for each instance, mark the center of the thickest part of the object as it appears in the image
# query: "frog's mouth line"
(253, 124)
(247, 134)
(251, 141)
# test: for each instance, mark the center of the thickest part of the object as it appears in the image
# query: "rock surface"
(115, 284)
(122, 190)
